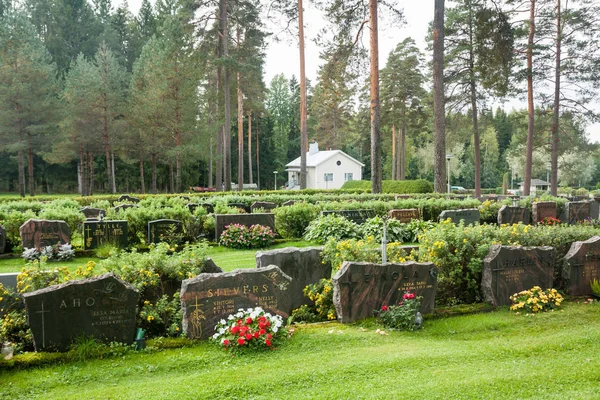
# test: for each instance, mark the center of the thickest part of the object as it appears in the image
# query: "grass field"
(497, 355)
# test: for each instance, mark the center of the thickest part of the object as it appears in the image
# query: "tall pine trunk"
(171, 178)
(226, 99)
(30, 167)
(530, 109)
(556, 110)
(303, 106)
(153, 160)
(376, 167)
(474, 111)
(91, 162)
(142, 183)
(210, 163)
(439, 158)
(250, 178)
(219, 156)
(394, 153)
(257, 157)
(240, 121)
(402, 151)
(82, 173)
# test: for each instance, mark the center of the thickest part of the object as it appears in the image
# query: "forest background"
(120, 98)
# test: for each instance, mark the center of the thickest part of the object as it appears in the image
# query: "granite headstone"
(265, 205)
(359, 288)
(126, 197)
(125, 207)
(581, 265)
(513, 215)
(543, 209)
(470, 216)
(404, 215)
(97, 233)
(103, 307)
(511, 269)
(241, 206)
(357, 216)
(2, 239)
(91, 212)
(305, 266)
(40, 233)
(208, 298)
(576, 211)
(164, 230)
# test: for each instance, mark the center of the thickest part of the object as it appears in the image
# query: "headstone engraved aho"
(581, 265)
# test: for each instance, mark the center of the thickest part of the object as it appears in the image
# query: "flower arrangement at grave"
(237, 236)
(404, 316)
(251, 328)
(536, 300)
(58, 252)
(550, 221)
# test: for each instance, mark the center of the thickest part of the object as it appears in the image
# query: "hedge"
(389, 186)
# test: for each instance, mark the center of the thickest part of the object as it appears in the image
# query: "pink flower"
(384, 308)
(408, 296)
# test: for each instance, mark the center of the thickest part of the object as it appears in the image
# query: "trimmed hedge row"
(389, 186)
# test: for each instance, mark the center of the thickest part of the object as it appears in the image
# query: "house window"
(328, 177)
(348, 176)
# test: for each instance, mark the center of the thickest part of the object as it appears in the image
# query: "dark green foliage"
(400, 187)
(291, 221)
(331, 226)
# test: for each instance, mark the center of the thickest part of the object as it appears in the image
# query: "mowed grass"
(228, 259)
(497, 355)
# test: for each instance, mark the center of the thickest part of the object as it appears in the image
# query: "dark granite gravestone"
(242, 206)
(2, 239)
(97, 233)
(126, 197)
(209, 207)
(469, 215)
(543, 209)
(164, 230)
(511, 269)
(125, 207)
(595, 208)
(40, 233)
(404, 215)
(576, 211)
(210, 267)
(192, 207)
(305, 266)
(208, 298)
(288, 203)
(265, 205)
(357, 216)
(223, 220)
(581, 265)
(91, 212)
(359, 288)
(402, 197)
(513, 215)
(102, 307)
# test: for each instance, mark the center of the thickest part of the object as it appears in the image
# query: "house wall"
(317, 178)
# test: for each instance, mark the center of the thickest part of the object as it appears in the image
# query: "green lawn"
(484, 356)
(15, 264)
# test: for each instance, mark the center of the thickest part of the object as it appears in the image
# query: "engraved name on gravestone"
(359, 288)
(581, 265)
(2, 239)
(513, 215)
(265, 205)
(543, 209)
(357, 216)
(305, 266)
(91, 212)
(97, 233)
(511, 269)
(208, 298)
(576, 211)
(102, 307)
(40, 233)
(404, 215)
(469, 215)
(224, 220)
(164, 230)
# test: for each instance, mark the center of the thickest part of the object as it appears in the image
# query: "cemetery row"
(98, 230)
(104, 306)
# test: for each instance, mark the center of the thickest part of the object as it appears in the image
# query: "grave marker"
(102, 307)
(469, 215)
(126, 197)
(359, 288)
(97, 233)
(125, 207)
(581, 265)
(265, 205)
(404, 215)
(511, 269)
(357, 216)
(40, 233)
(239, 205)
(163, 230)
(576, 211)
(91, 212)
(208, 298)
(513, 215)
(2, 239)
(543, 209)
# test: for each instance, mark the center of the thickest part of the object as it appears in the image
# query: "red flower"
(269, 336)
(225, 342)
(262, 332)
(244, 329)
(262, 319)
(241, 341)
(256, 335)
(384, 308)
(262, 325)
(409, 296)
(248, 336)
(248, 320)
(235, 329)
(239, 321)
(268, 342)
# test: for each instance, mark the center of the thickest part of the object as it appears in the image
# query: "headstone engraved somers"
(359, 288)
(511, 269)
(103, 307)
(208, 298)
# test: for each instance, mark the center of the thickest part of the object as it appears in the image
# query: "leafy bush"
(161, 317)
(321, 294)
(402, 316)
(58, 252)
(367, 250)
(393, 186)
(292, 221)
(536, 300)
(396, 230)
(331, 226)
(12, 221)
(238, 236)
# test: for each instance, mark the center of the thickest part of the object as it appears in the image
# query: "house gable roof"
(313, 160)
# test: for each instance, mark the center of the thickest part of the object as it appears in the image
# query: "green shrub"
(238, 236)
(12, 221)
(292, 221)
(373, 227)
(401, 316)
(321, 294)
(162, 317)
(393, 186)
(331, 226)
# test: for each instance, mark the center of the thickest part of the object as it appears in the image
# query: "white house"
(537, 185)
(325, 169)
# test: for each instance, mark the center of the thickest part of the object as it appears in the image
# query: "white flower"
(249, 310)
(258, 309)
(222, 322)
(239, 315)
(216, 335)
(275, 329)
(222, 331)
(230, 317)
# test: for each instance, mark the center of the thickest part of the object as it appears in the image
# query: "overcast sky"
(283, 56)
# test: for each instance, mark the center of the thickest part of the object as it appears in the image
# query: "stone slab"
(404, 215)
(163, 230)
(543, 209)
(581, 265)
(360, 288)
(513, 215)
(469, 215)
(357, 216)
(2, 239)
(97, 233)
(91, 212)
(208, 298)
(40, 233)
(576, 211)
(103, 307)
(265, 205)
